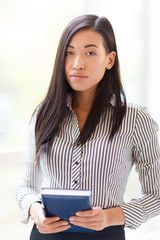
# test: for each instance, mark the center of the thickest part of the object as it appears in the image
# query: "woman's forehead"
(86, 37)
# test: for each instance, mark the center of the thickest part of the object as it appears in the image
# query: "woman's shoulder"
(33, 118)
(140, 115)
(137, 109)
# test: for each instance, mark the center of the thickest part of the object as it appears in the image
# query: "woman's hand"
(98, 219)
(47, 225)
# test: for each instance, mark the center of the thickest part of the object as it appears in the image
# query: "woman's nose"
(78, 63)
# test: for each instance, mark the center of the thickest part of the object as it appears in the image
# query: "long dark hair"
(52, 110)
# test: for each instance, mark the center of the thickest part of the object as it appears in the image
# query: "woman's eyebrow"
(86, 46)
(70, 46)
(91, 45)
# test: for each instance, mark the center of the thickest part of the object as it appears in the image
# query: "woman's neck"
(81, 105)
(82, 100)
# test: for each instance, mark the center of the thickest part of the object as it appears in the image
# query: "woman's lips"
(77, 76)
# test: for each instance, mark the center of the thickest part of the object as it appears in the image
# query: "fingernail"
(72, 222)
(67, 227)
(65, 223)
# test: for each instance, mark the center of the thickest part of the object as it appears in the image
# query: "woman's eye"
(90, 53)
(68, 53)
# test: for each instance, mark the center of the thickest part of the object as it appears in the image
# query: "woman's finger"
(90, 225)
(86, 219)
(61, 228)
(89, 213)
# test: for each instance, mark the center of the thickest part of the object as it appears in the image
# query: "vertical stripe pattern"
(101, 165)
(76, 167)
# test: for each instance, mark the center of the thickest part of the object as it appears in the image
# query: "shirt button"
(75, 181)
(76, 163)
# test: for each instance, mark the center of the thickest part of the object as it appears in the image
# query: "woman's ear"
(110, 60)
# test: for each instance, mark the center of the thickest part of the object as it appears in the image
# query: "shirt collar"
(69, 100)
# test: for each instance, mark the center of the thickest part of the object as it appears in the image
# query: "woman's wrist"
(114, 216)
(34, 208)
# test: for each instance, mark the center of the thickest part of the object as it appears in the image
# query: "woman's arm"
(30, 181)
(146, 154)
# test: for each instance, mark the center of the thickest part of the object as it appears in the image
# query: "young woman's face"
(86, 60)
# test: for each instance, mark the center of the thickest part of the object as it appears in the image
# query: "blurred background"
(29, 36)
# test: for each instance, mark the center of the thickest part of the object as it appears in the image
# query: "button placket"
(76, 167)
(76, 158)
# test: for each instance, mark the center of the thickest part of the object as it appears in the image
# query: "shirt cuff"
(26, 204)
(133, 214)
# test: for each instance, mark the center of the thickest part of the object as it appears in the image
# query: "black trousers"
(110, 233)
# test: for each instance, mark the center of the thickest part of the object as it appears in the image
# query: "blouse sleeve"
(30, 181)
(146, 156)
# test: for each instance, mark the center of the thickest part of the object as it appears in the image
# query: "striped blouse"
(101, 165)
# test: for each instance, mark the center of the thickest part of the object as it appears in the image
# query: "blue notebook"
(65, 203)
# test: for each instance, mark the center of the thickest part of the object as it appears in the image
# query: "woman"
(84, 136)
